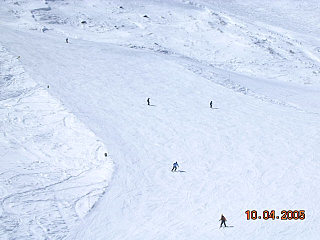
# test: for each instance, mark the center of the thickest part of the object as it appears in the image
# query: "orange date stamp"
(285, 215)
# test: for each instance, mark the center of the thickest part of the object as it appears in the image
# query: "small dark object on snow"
(223, 220)
(67, 40)
(211, 104)
(106, 154)
(84, 22)
(175, 166)
(121, 7)
(146, 16)
(148, 101)
(48, 86)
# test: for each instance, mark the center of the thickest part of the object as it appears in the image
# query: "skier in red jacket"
(223, 220)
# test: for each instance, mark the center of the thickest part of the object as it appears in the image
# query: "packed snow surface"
(83, 156)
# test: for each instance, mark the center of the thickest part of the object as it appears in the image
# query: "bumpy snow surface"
(83, 156)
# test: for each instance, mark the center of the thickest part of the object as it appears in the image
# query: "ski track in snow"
(36, 176)
(241, 155)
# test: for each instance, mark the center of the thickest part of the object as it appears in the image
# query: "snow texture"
(83, 156)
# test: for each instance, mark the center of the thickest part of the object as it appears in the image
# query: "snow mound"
(53, 168)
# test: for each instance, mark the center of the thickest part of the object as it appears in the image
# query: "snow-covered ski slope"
(64, 105)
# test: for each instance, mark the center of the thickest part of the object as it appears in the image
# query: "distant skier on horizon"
(148, 101)
(175, 167)
(211, 104)
(223, 220)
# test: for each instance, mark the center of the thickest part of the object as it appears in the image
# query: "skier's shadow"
(229, 226)
(181, 171)
(151, 105)
(214, 108)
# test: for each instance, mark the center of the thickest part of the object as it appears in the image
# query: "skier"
(148, 101)
(67, 40)
(211, 104)
(175, 166)
(223, 220)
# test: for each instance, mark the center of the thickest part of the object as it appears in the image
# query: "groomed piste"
(85, 156)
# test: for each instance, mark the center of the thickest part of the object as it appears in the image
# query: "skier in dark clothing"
(148, 101)
(175, 166)
(223, 220)
(67, 40)
(211, 104)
